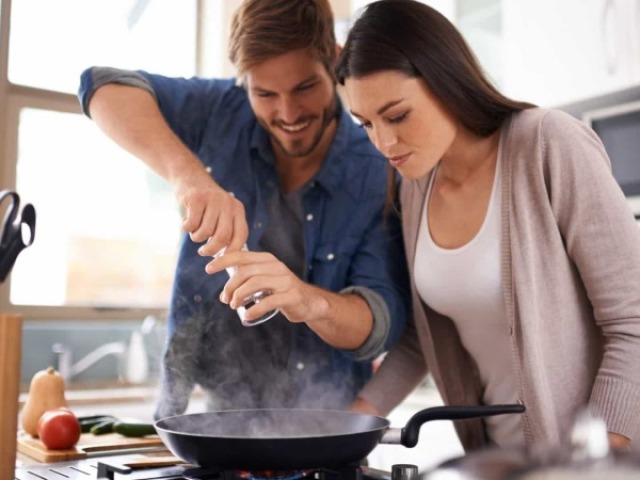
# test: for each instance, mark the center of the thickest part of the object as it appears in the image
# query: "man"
(275, 162)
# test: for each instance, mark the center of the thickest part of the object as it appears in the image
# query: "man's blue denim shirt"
(347, 241)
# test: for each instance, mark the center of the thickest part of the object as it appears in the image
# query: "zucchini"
(106, 426)
(86, 423)
(90, 418)
(133, 428)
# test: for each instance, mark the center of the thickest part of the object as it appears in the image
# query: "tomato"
(59, 429)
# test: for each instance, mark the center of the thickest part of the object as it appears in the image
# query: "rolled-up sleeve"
(375, 343)
(96, 77)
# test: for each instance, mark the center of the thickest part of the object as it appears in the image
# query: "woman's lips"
(399, 160)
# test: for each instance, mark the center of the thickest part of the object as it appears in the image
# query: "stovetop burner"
(114, 468)
(273, 475)
(108, 470)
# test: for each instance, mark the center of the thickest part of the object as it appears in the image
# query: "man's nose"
(289, 110)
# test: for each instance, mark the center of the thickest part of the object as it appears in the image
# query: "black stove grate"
(113, 469)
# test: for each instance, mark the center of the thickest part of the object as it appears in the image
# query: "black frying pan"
(282, 439)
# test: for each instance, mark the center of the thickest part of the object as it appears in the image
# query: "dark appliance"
(618, 127)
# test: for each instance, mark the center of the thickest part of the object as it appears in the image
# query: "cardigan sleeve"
(603, 240)
(404, 366)
(401, 371)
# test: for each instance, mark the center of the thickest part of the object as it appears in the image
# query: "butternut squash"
(46, 392)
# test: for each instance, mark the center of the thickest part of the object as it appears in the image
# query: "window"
(107, 228)
(50, 49)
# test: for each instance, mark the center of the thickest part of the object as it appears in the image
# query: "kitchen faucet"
(132, 356)
(70, 370)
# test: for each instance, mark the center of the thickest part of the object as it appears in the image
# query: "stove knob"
(404, 472)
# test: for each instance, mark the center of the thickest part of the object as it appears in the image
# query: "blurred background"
(94, 288)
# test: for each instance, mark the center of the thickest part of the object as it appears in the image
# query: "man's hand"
(260, 271)
(210, 213)
(343, 321)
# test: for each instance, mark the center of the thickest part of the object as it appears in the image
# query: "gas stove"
(115, 468)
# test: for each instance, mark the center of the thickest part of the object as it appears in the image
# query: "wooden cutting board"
(88, 443)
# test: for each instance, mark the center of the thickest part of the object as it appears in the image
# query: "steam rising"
(274, 365)
(270, 424)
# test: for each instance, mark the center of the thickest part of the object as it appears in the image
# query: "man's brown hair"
(263, 29)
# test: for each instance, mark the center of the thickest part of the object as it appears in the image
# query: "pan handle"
(410, 433)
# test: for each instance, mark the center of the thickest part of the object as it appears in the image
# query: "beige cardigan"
(571, 281)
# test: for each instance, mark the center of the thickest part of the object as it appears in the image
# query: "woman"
(523, 252)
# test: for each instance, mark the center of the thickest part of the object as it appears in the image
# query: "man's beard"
(298, 148)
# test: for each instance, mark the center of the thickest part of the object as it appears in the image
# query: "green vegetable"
(106, 426)
(133, 429)
(86, 423)
(90, 418)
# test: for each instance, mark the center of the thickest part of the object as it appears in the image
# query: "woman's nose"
(384, 139)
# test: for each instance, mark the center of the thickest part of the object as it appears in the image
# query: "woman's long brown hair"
(410, 37)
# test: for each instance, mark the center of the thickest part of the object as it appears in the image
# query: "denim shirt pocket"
(332, 262)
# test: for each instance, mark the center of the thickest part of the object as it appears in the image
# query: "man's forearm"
(343, 321)
(130, 116)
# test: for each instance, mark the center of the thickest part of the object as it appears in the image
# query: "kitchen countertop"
(438, 441)
(122, 402)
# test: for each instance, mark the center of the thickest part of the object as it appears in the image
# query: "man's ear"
(338, 50)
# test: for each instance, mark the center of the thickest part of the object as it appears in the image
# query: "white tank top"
(464, 284)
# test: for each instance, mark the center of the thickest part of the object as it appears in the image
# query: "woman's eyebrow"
(382, 109)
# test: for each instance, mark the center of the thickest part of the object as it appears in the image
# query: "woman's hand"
(618, 442)
(360, 405)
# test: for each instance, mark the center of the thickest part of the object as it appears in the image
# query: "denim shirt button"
(257, 225)
(330, 256)
(309, 217)
(197, 298)
(208, 169)
(300, 366)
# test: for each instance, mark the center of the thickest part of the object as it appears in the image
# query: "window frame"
(18, 98)
(14, 98)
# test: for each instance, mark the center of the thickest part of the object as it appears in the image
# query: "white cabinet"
(553, 52)
(550, 52)
(634, 39)
(557, 52)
